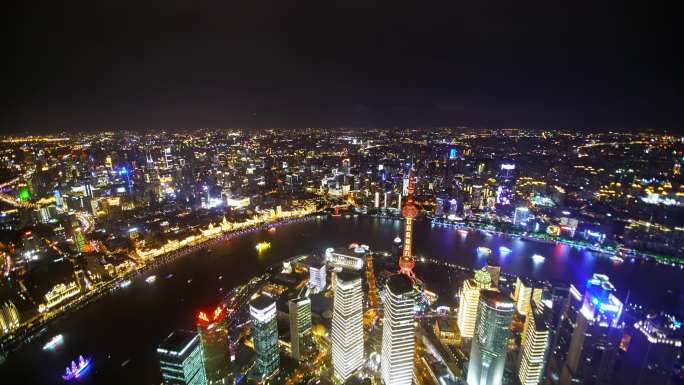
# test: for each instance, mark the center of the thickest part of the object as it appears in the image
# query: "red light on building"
(218, 313)
(202, 317)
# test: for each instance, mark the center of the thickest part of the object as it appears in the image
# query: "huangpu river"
(121, 330)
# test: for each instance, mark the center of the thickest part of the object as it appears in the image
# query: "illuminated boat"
(54, 342)
(503, 250)
(151, 279)
(484, 251)
(261, 246)
(538, 258)
(75, 370)
(463, 232)
(272, 229)
(616, 259)
(125, 283)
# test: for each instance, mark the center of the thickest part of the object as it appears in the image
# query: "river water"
(121, 330)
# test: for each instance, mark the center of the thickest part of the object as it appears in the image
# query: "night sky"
(191, 64)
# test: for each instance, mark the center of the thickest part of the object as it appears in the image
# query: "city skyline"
(342, 193)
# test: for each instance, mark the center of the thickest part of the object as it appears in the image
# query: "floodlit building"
(262, 311)
(520, 216)
(347, 325)
(470, 297)
(180, 359)
(488, 350)
(9, 318)
(535, 347)
(398, 331)
(317, 277)
(596, 337)
(300, 325)
(494, 270)
(525, 292)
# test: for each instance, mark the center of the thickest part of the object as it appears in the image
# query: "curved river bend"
(121, 330)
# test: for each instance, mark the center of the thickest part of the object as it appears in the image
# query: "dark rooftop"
(177, 340)
(347, 276)
(400, 284)
(261, 302)
(494, 297)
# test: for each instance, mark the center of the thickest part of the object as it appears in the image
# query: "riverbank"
(36, 327)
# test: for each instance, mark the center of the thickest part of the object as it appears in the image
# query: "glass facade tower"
(262, 311)
(398, 331)
(492, 330)
(347, 325)
(180, 359)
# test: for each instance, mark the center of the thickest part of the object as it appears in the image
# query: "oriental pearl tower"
(409, 211)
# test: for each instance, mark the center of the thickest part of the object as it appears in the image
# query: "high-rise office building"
(213, 333)
(347, 325)
(317, 276)
(652, 351)
(300, 326)
(470, 299)
(9, 318)
(596, 337)
(520, 216)
(492, 330)
(525, 292)
(494, 270)
(262, 311)
(398, 331)
(535, 347)
(180, 359)
(567, 321)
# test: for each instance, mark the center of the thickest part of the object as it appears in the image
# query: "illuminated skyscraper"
(525, 292)
(317, 277)
(596, 337)
(409, 212)
(300, 325)
(652, 351)
(9, 318)
(213, 333)
(180, 359)
(520, 216)
(262, 311)
(535, 347)
(347, 325)
(567, 313)
(398, 331)
(488, 350)
(470, 299)
(168, 158)
(494, 270)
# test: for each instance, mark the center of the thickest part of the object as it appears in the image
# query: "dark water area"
(121, 330)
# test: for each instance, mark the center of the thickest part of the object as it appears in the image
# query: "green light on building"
(24, 194)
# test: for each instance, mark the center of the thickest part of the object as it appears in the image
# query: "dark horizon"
(85, 66)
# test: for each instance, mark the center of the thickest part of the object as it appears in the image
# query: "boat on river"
(54, 342)
(74, 371)
(484, 251)
(261, 246)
